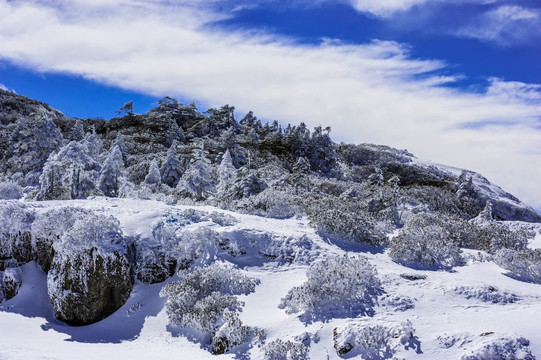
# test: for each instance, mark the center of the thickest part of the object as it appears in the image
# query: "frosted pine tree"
(175, 133)
(68, 174)
(153, 177)
(112, 173)
(78, 132)
(119, 142)
(94, 144)
(197, 180)
(226, 174)
(31, 143)
(170, 170)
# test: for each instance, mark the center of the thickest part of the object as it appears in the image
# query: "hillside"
(181, 232)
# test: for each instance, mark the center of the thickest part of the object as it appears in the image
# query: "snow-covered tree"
(94, 144)
(119, 142)
(112, 173)
(246, 184)
(78, 132)
(197, 180)
(153, 177)
(170, 169)
(226, 174)
(31, 143)
(174, 133)
(68, 174)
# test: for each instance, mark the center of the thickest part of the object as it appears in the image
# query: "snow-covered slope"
(474, 310)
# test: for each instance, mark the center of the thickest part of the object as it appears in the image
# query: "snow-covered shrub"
(335, 285)
(426, 241)
(522, 264)
(230, 334)
(370, 342)
(90, 275)
(346, 218)
(10, 190)
(398, 303)
(203, 301)
(373, 342)
(285, 350)
(500, 347)
(487, 294)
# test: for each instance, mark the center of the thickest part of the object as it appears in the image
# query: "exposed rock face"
(11, 283)
(88, 287)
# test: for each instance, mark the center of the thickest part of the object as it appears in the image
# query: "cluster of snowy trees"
(174, 153)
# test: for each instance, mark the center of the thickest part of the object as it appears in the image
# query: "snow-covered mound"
(254, 287)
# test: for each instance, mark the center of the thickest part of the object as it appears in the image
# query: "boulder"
(11, 282)
(88, 287)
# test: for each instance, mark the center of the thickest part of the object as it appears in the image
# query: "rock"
(90, 275)
(88, 287)
(44, 252)
(11, 282)
(342, 347)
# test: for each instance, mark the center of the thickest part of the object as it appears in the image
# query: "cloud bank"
(374, 92)
(506, 25)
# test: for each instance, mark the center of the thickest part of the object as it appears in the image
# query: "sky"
(457, 82)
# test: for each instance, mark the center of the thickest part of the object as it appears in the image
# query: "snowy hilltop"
(196, 234)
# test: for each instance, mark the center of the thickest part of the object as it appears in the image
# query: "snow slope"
(446, 309)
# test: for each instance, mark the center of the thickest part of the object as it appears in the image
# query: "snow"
(448, 324)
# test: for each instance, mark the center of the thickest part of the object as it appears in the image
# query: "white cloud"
(388, 8)
(506, 25)
(368, 93)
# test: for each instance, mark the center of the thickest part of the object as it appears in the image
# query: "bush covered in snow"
(204, 302)
(426, 241)
(10, 190)
(285, 350)
(499, 347)
(335, 285)
(373, 342)
(487, 293)
(522, 264)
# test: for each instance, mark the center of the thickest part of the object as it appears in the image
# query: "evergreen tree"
(153, 177)
(94, 144)
(119, 142)
(111, 174)
(31, 143)
(78, 132)
(174, 133)
(247, 183)
(69, 173)
(170, 170)
(226, 174)
(197, 180)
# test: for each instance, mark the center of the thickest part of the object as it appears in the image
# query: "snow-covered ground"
(446, 308)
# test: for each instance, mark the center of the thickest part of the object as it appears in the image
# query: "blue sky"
(455, 81)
